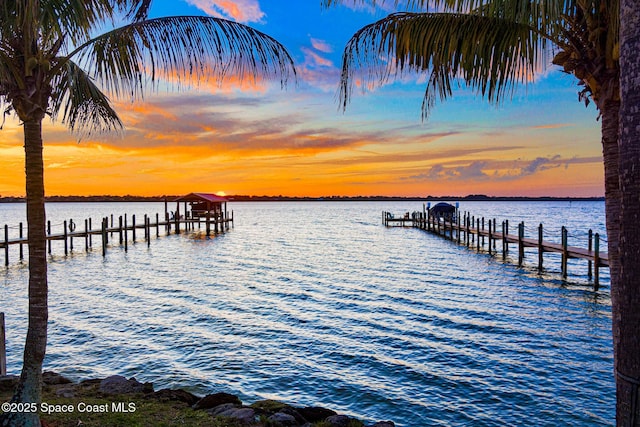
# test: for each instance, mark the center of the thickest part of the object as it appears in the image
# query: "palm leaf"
(83, 106)
(490, 55)
(190, 49)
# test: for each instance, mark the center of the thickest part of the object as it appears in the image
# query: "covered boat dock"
(204, 207)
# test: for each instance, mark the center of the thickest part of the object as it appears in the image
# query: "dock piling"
(596, 260)
(104, 236)
(565, 252)
(540, 248)
(3, 348)
(21, 245)
(520, 244)
(49, 234)
(590, 263)
(65, 237)
(6, 245)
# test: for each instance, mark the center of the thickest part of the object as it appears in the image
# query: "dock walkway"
(471, 232)
(123, 231)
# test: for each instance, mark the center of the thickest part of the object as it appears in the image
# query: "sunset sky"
(247, 138)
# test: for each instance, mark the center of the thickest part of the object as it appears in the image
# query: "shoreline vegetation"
(280, 198)
(117, 401)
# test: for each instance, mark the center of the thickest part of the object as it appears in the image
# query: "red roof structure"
(202, 197)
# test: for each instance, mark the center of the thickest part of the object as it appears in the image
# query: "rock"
(176, 395)
(383, 424)
(340, 421)
(216, 399)
(117, 384)
(294, 413)
(282, 419)
(221, 408)
(244, 414)
(314, 414)
(53, 378)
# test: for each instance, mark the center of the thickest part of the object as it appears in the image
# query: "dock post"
(490, 237)
(104, 236)
(120, 229)
(146, 235)
(48, 235)
(473, 224)
(520, 244)
(478, 231)
(157, 225)
(148, 230)
(482, 232)
(590, 263)
(86, 235)
(6, 245)
(72, 228)
(458, 224)
(565, 253)
(3, 348)
(90, 234)
(495, 231)
(133, 228)
(596, 261)
(506, 230)
(504, 240)
(21, 248)
(126, 234)
(65, 236)
(466, 237)
(540, 249)
(111, 225)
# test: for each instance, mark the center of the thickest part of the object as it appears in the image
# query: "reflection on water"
(318, 304)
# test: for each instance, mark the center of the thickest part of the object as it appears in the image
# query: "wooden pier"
(483, 235)
(124, 230)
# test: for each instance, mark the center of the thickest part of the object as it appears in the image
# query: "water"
(316, 303)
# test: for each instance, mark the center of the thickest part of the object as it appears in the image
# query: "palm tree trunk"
(29, 389)
(626, 294)
(610, 110)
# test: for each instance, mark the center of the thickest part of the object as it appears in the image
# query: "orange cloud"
(238, 10)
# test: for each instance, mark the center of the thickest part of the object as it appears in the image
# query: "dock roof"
(202, 197)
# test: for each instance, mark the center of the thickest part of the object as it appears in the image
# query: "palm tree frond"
(181, 50)
(490, 55)
(83, 106)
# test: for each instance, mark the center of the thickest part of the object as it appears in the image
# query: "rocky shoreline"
(225, 406)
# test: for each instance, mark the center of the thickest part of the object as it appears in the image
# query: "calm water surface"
(316, 303)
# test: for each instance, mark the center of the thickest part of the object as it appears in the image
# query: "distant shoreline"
(245, 198)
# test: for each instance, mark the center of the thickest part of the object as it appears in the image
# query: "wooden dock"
(483, 235)
(124, 230)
